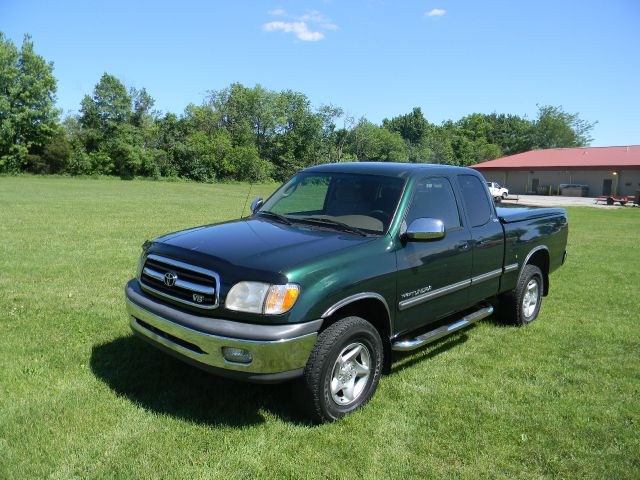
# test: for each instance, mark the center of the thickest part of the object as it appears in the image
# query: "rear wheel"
(522, 305)
(343, 370)
(504, 195)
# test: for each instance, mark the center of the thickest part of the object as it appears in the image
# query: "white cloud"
(299, 29)
(320, 19)
(436, 12)
(309, 27)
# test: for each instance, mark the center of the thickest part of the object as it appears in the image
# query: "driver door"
(433, 275)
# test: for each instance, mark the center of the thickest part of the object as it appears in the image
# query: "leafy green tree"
(207, 155)
(417, 132)
(485, 151)
(371, 143)
(142, 115)
(555, 128)
(413, 127)
(28, 117)
(108, 107)
(57, 152)
(246, 113)
(102, 116)
(511, 133)
(440, 141)
(170, 143)
(298, 138)
(330, 144)
(78, 162)
(280, 125)
(118, 130)
(249, 166)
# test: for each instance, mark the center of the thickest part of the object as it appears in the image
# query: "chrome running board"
(433, 335)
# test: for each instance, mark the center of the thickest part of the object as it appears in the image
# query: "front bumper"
(279, 352)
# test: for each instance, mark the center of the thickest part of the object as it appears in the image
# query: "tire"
(522, 305)
(609, 201)
(351, 336)
(497, 199)
(504, 195)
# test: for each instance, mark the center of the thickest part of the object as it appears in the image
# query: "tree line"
(237, 133)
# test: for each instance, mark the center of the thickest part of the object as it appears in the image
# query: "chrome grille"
(180, 282)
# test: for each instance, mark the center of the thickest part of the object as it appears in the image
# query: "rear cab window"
(475, 200)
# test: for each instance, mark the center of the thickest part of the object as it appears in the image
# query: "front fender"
(330, 283)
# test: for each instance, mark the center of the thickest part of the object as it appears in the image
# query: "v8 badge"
(198, 298)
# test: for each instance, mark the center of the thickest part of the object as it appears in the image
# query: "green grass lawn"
(81, 398)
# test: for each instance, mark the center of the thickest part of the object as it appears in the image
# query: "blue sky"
(373, 58)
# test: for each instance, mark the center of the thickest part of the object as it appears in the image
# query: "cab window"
(434, 198)
(475, 200)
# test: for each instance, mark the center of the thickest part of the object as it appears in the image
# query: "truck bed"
(531, 230)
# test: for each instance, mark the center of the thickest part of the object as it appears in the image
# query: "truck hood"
(254, 247)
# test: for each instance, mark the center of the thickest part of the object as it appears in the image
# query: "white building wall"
(520, 182)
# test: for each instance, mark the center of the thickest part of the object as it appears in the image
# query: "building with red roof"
(602, 170)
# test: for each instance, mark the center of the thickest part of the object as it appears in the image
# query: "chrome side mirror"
(424, 229)
(256, 204)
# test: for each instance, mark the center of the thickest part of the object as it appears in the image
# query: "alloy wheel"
(350, 374)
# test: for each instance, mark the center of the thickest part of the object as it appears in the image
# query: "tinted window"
(363, 201)
(434, 198)
(307, 195)
(475, 200)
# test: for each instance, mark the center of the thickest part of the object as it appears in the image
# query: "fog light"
(237, 355)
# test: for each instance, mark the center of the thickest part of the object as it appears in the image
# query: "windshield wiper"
(277, 216)
(335, 223)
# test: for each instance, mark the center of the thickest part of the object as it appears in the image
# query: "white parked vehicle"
(497, 192)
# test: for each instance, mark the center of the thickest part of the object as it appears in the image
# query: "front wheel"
(504, 195)
(522, 305)
(343, 370)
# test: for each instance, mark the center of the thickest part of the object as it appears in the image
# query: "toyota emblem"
(170, 279)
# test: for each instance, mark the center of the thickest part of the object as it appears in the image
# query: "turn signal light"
(281, 298)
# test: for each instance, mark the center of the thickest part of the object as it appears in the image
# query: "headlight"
(247, 297)
(258, 297)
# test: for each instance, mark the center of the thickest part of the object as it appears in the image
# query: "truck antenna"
(246, 200)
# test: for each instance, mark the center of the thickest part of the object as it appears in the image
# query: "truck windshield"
(359, 202)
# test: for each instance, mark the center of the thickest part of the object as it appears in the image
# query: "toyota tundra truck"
(343, 265)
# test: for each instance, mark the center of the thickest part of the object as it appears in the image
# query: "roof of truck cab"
(390, 169)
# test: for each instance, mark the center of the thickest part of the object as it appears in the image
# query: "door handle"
(463, 246)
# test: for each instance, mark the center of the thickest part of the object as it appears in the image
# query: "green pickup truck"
(344, 264)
